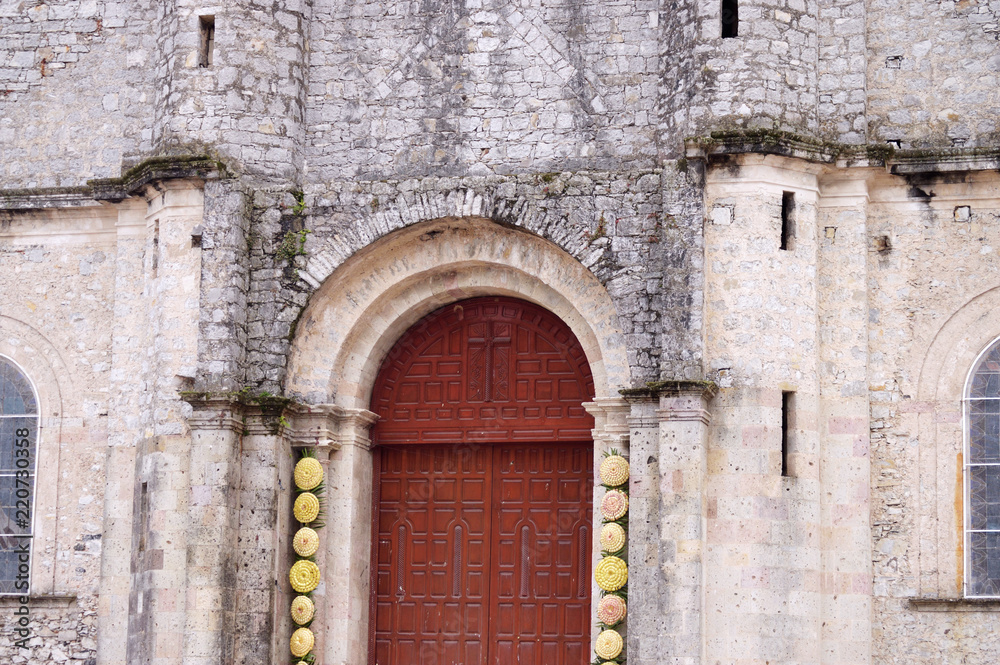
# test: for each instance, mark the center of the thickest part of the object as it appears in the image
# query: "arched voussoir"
(413, 208)
(364, 305)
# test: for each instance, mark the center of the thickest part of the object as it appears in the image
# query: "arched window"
(982, 477)
(18, 447)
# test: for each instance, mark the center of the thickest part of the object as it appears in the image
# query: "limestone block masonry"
(777, 250)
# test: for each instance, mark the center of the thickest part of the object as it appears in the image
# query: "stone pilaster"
(669, 444)
(339, 437)
(213, 530)
(611, 432)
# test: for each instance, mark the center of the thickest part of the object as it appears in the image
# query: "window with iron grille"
(18, 447)
(982, 476)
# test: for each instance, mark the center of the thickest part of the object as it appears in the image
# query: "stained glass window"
(18, 439)
(982, 477)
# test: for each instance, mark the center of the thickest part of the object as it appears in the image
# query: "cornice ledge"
(954, 604)
(761, 142)
(914, 162)
(720, 144)
(671, 388)
(211, 411)
(149, 170)
(42, 198)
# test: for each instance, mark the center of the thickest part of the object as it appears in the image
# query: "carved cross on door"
(489, 361)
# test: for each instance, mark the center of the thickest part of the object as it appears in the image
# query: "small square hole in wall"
(963, 214)
(894, 62)
(206, 26)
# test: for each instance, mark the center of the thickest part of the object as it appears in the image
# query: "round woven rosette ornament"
(611, 573)
(611, 610)
(614, 470)
(303, 610)
(304, 576)
(306, 507)
(305, 542)
(612, 538)
(614, 505)
(609, 644)
(308, 473)
(302, 642)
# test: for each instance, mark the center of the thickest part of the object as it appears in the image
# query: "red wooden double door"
(482, 540)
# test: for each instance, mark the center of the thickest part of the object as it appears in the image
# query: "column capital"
(678, 399)
(610, 420)
(214, 412)
(328, 426)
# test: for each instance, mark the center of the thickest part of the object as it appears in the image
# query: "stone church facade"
(775, 250)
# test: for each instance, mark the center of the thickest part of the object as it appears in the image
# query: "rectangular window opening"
(143, 516)
(155, 260)
(207, 27)
(787, 406)
(730, 19)
(787, 221)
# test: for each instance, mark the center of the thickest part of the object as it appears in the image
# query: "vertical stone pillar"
(213, 531)
(845, 461)
(128, 340)
(611, 432)
(340, 438)
(265, 487)
(683, 458)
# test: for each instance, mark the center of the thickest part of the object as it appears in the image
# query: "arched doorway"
(483, 488)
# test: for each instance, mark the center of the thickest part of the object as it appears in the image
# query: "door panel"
(433, 555)
(541, 557)
(483, 555)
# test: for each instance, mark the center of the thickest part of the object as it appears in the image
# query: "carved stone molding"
(215, 412)
(610, 420)
(679, 400)
(328, 426)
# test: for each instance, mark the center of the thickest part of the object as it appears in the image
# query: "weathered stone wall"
(248, 104)
(631, 229)
(933, 72)
(83, 110)
(55, 322)
(456, 88)
(927, 326)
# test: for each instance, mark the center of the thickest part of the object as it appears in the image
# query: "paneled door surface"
(483, 554)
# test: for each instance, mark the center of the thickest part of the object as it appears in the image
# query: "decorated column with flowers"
(611, 572)
(305, 573)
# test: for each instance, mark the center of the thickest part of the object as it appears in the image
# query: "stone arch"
(359, 311)
(939, 428)
(412, 208)
(369, 301)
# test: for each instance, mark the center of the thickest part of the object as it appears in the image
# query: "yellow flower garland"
(302, 642)
(612, 538)
(614, 470)
(306, 507)
(303, 610)
(304, 576)
(305, 542)
(308, 473)
(609, 645)
(611, 573)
